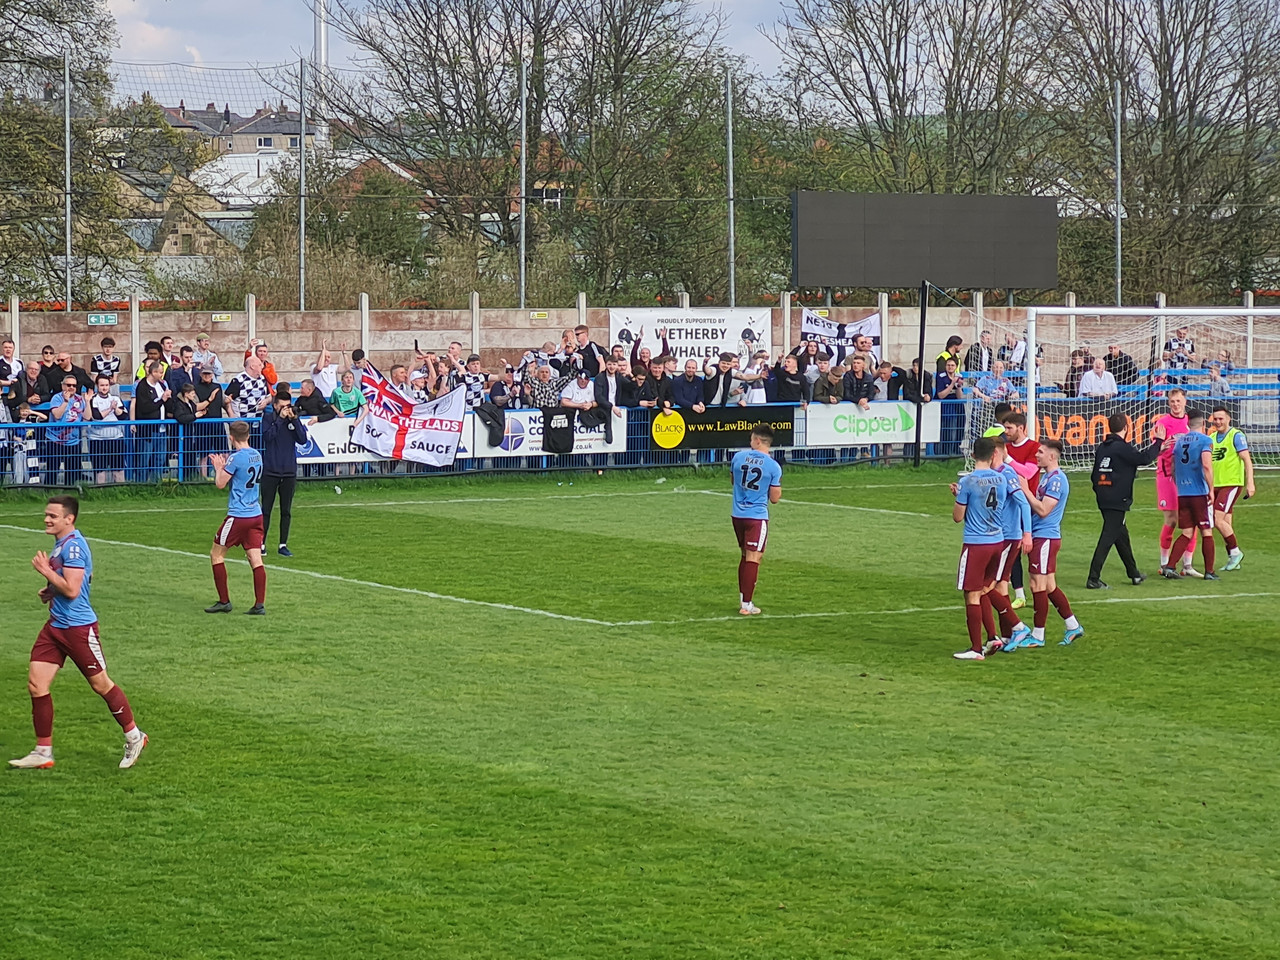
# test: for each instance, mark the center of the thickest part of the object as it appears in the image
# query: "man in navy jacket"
(281, 432)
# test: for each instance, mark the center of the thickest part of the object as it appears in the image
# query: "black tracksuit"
(1115, 465)
(280, 436)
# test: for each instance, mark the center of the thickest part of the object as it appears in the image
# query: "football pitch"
(521, 717)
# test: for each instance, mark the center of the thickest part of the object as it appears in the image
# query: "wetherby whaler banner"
(429, 434)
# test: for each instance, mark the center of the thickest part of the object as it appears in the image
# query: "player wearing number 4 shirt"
(757, 482)
(1048, 504)
(1193, 474)
(72, 631)
(242, 470)
(980, 501)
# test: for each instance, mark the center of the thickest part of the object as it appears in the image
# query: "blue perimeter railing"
(102, 453)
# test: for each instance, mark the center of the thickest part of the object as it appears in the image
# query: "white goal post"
(1058, 345)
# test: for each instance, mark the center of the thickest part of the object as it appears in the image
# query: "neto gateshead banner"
(720, 427)
(430, 434)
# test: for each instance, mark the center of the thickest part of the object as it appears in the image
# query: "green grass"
(378, 773)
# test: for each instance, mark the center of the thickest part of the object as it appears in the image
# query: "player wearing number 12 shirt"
(757, 482)
(242, 471)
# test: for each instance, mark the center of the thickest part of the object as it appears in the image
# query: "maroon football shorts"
(81, 644)
(244, 532)
(752, 534)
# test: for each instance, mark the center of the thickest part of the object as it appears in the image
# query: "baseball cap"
(582, 372)
(418, 375)
(201, 336)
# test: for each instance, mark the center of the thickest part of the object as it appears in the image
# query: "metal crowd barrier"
(100, 453)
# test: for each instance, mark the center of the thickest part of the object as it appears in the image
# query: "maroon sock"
(220, 582)
(1179, 548)
(42, 719)
(1230, 541)
(1060, 603)
(1040, 603)
(973, 620)
(259, 585)
(1208, 550)
(988, 618)
(749, 573)
(1008, 619)
(118, 704)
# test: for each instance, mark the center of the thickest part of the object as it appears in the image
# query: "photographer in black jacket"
(281, 430)
(1115, 465)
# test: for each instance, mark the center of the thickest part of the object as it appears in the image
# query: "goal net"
(1220, 355)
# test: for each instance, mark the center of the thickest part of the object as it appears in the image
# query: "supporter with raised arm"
(324, 372)
(722, 385)
(542, 390)
(644, 355)
(205, 357)
(791, 384)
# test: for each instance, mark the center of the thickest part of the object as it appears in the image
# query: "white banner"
(838, 338)
(429, 435)
(888, 421)
(698, 334)
(522, 437)
(330, 442)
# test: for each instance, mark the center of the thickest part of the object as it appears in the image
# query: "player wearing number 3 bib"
(242, 470)
(757, 482)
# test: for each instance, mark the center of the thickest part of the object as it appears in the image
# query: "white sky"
(229, 32)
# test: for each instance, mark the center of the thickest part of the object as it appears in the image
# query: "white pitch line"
(534, 611)
(220, 507)
(329, 576)
(834, 506)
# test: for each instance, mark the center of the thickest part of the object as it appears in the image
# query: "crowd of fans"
(133, 437)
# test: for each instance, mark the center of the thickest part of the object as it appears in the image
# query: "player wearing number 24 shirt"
(757, 482)
(241, 470)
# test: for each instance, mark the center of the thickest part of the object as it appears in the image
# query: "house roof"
(242, 179)
(281, 122)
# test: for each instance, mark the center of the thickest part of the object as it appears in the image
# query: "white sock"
(134, 735)
(1188, 558)
(1234, 552)
(1164, 557)
(44, 751)
(1038, 632)
(1072, 622)
(1019, 593)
